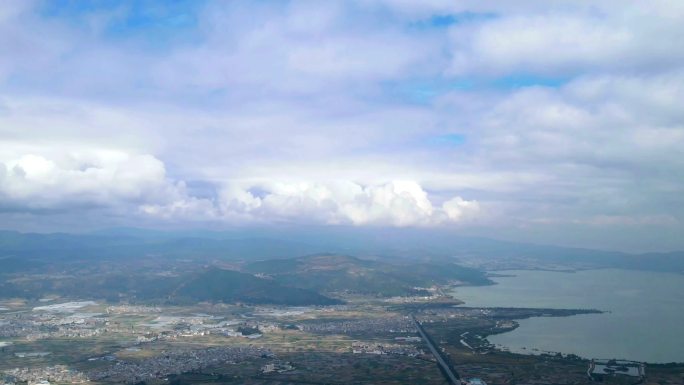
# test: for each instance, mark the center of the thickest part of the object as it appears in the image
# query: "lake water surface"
(645, 320)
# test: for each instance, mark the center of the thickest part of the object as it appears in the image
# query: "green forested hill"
(231, 286)
(331, 273)
(210, 285)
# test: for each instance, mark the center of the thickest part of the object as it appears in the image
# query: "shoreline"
(533, 287)
(532, 351)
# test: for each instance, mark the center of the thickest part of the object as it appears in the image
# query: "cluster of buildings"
(58, 373)
(455, 312)
(600, 369)
(223, 328)
(277, 367)
(409, 339)
(375, 325)
(168, 335)
(176, 362)
(375, 348)
(20, 328)
(136, 309)
(35, 326)
(66, 332)
(415, 298)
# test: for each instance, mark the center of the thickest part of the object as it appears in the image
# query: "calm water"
(645, 323)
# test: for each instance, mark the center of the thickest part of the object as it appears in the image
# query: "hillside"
(335, 273)
(217, 285)
(210, 285)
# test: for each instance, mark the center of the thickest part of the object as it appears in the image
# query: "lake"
(645, 319)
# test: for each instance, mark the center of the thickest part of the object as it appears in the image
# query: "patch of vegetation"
(335, 273)
(219, 285)
(210, 285)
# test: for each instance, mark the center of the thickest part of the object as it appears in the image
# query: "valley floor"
(365, 341)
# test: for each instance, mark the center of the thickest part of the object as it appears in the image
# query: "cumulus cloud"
(93, 178)
(457, 208)
(397, 203)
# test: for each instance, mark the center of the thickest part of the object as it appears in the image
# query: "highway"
(450, 375)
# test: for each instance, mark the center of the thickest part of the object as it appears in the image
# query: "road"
(451, 376)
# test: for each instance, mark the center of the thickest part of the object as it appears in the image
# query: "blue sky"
(542, 121)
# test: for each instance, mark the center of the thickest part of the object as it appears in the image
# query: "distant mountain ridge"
(389, 245)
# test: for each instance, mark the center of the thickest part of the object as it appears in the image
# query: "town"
(90, 342)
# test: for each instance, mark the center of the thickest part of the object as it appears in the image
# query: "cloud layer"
(397, 203)
(515, 119)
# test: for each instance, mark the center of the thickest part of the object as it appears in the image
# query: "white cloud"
(457, 208)
(397, 203)
(91, 178)
(564, 41)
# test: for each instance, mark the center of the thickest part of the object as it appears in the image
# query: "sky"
(551, 122)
